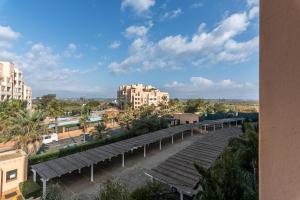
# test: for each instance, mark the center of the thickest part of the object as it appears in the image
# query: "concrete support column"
(236, 123)
(214, 127)
(123, 160)
(172, 139)
(44, 188)
(192, 132)
(79, 171)
(34, 175)
(160, 145)
(205, 127)
(181, 196)
(92, 173)
(144, 151)
(181, 135)
(222, 125)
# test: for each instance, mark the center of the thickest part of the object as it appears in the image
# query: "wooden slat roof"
(60, 166)
(178, 170)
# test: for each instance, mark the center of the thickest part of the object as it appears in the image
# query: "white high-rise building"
(12, 84)
(139, 95)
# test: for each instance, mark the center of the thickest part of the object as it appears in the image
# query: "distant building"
(12, 84)
(138, 95)
(13, 168)
(186, 118)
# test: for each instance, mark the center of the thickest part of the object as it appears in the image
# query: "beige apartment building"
(13, 171)
(12, 84)
(138, 95)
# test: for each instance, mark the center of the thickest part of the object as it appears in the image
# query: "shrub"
(30, 189)
(153, 191)
(113, 190)
(54, 192)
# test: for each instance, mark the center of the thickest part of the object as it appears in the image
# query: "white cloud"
(136, 31)
(71, 51)
(200, 87)
(177, 51)
(254, 12)
(197, 5)
(172, 14)
(72, 46)
(238, 51)
(6, 33)
(45, 71)
(253, 2)
(201, 82)
(7, 37)
(139, 6)
(115, 45)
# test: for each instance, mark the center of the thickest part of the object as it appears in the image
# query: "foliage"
(30, 189)
(25, 127)
(84, 122)
(9, 110)
(126, 117)
(234, 175)
(147, 124)
(44, 101)
(54, 192)
(55, 109)
(98, 132)
(152, 191)
(113, 191)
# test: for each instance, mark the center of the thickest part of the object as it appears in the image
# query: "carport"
(57, 167)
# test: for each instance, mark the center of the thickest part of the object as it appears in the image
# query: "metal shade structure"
(178, 171)
(60, 166)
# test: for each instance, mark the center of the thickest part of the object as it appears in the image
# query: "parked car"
(50, 138)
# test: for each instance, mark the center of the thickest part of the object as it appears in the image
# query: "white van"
(50, 138)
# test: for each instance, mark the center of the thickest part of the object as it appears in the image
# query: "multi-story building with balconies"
(12, 84)
(138, 95)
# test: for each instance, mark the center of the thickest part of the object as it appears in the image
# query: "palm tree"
(126, 118)
(26, 127)
(55, 109)
(105, 118)
(99, 130)
(84, 122)
(246, 147)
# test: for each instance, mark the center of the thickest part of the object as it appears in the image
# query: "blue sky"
(190, 48)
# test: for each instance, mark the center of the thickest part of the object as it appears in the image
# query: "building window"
(11, 175)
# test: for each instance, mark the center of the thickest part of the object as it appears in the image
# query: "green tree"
(8, 110)
(126, 117)
(84, 122)
(113, 191)
(54, 192)
(55, 110)
(152, 191)
(105, 118)
(99, 131)
(26, 127)
(233, 176)
(246, 148)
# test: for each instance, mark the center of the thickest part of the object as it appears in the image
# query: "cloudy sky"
(190, 48)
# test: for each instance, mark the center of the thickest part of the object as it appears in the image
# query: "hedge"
(35, 159)
(30, 189)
